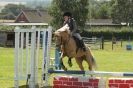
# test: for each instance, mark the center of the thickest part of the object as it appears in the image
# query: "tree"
(104, 11)
(79, 9)
(100, 9)
(13, 8)
(122, 11)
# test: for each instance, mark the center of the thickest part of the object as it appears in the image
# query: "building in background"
(33, 16)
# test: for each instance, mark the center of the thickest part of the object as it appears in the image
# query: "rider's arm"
(73, 25)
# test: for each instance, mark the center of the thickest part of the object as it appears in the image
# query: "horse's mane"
(64, 28)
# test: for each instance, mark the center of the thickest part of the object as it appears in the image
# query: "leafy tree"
(13, 8)
(100, 9)
(103, 12)
(122, 11)
(9, 16)
(94, 7)
(79, 9)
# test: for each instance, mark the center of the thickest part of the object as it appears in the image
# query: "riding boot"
(84, 49)
(82, 45)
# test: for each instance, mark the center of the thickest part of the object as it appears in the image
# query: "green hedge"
(6, 28)
(108, 32)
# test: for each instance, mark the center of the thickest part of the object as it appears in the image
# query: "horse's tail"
(94, 62)
(94, 65)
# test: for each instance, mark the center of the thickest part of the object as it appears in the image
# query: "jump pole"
(46, 55)
(97, 73)
(16, 82)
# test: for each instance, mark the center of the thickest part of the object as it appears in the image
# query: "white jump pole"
(32, 82)
(47, 35)
(37, 53)
(44, 56)
(16, 58)
(47, 59)
(27, 53)
(21, 61)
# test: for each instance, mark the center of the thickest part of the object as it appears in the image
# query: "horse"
(68, 47)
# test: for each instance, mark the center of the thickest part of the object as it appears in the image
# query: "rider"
(68, 19)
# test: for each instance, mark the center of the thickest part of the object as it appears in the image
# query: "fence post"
(102, 43)
(121, 43)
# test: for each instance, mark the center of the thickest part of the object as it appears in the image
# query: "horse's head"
(61, 35)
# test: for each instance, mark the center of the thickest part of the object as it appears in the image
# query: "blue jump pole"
(66, 72)
(98, 73)
(57, 58)
(128, 74)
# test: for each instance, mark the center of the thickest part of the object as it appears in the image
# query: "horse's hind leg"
(79, 61)
(89, 62)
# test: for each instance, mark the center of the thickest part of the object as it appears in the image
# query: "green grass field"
(119, 60)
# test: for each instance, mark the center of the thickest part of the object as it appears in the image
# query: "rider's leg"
(82, 45)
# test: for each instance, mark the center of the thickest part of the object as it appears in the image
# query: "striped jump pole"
(95, 73)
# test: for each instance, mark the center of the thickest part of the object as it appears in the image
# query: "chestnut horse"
(68, 47)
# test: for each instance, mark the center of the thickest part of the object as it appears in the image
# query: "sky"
(4, 2)
(13, 0)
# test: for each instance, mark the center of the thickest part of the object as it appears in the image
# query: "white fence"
(28, 55)
(93, 43)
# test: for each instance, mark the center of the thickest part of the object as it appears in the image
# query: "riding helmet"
(67, 14)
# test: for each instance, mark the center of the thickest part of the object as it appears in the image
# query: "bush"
(108, 32)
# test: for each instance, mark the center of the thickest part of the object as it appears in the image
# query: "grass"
(117, 60)
(114, 61)
(6, 67)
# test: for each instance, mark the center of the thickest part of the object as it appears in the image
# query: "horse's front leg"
(61, 62)
(70, 61)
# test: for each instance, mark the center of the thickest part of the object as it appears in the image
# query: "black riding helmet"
(67, 14)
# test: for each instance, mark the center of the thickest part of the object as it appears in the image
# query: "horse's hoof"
(70, 64)
(65, 69)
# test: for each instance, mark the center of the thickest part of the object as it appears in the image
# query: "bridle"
(62, 42)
